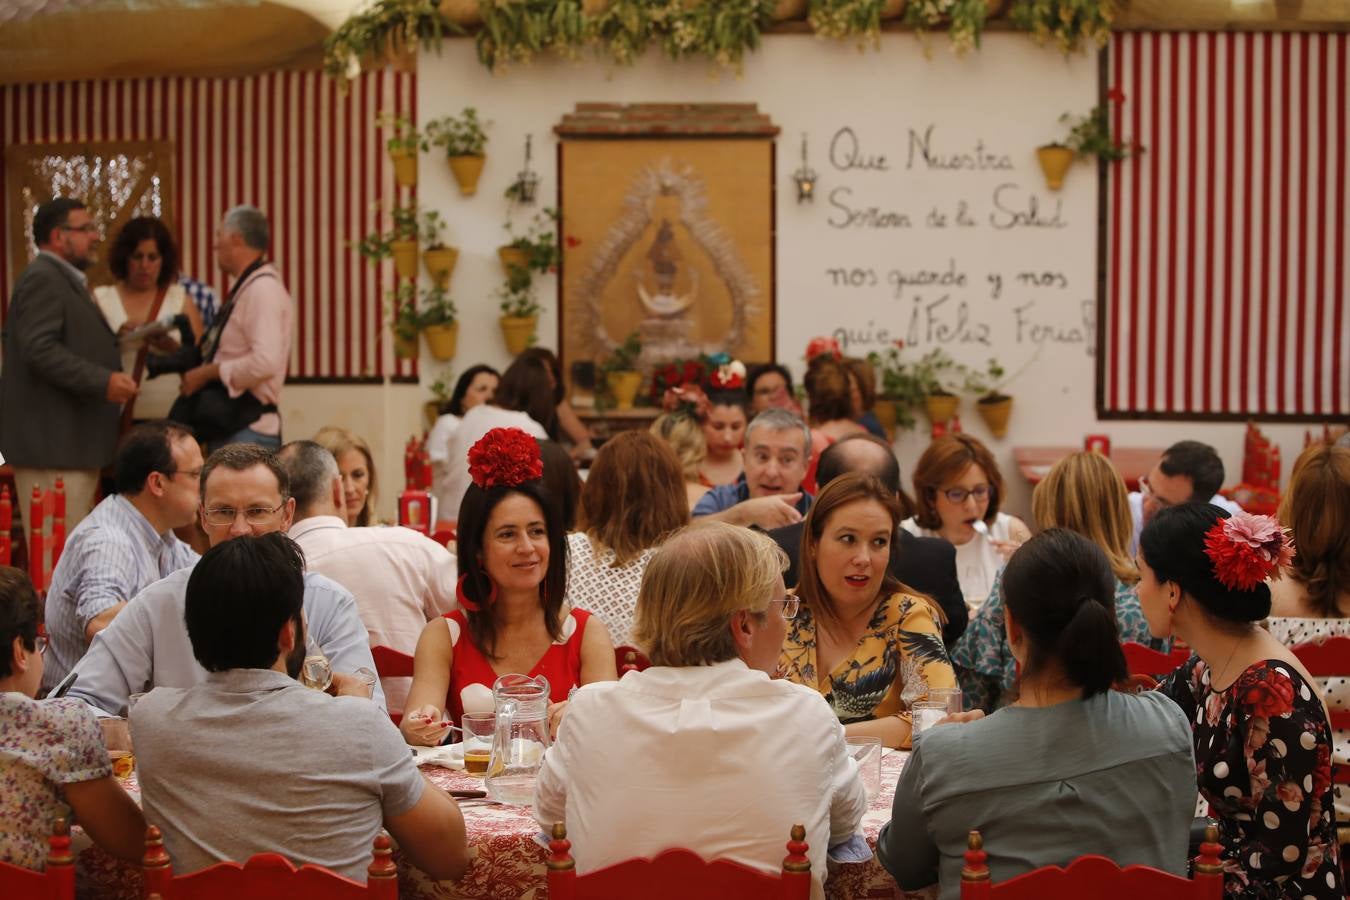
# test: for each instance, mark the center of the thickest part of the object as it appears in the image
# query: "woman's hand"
(424, 727)
(556, 711)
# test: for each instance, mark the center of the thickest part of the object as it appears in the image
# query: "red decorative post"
(1208, 865)
(36, 558)
(6, 525)
(58, 520)
(562, 869)
(796, 876)
(155, 868)
(60, 861)
(975, 883)
(382, 874)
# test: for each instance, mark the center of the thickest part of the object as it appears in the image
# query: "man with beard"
(286, 769)
(61, 387)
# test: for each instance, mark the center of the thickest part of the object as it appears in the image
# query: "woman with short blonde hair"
(684, 433)
(357, 465)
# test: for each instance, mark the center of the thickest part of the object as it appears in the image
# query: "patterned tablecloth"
(509, 863)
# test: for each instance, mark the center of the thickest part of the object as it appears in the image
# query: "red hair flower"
(505, 456)
(1246, 550)
(821, 346)
(687, 399)
(728, 376)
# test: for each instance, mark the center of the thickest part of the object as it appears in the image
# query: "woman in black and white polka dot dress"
(1260, 731)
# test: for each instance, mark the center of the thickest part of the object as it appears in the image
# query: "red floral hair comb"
(687, 400)
(505, 456)
(728, 376)
(1246, 550)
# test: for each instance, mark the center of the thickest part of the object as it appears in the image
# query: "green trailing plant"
(721, 30)
(461, 135)
(1070, 24)
(432, 230)
(514, 31)
(379, 244)
(1090, 135)
(516, 295)
(443, 388)
(365, 35)
(624, 30)
(906, 384)
(841, 19)
(404, 318)
(437, 308)
(964, 20)
(539, 242)
(986, 383)
(624, 358)
(403, 135)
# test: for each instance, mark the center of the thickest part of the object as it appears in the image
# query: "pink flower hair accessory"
(1247, 550)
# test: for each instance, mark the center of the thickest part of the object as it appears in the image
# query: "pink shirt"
(255, 346)
(401, 580)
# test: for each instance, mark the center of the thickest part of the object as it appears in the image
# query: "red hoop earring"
(470, 605)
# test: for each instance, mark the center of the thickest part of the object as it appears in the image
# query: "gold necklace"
(1214, 679)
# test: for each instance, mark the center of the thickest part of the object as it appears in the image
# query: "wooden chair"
(677, 875)
(56, 883)
(630, 659)
(1096, 877)
(390, 663)
(266, 876)
(1142, 660)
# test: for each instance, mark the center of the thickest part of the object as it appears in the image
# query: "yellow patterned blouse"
(902, 637)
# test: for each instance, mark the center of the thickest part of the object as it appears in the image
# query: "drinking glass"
(914, 685)
(949, 695)
(927, 713)
(117, 738)
(477, 729)
(866, 751)
(317, 671)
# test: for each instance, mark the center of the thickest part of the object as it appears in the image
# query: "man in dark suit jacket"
(928, 565)
(61, 384)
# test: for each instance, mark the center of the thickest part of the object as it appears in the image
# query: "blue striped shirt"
(109, 557)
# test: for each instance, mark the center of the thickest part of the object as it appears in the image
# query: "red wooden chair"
(56, 883)
(1329, 658)
(630, 659)
(677, 875)
(1096, 877)
(390, 663)
(266, 876)
(1142, 660)
(445, 536)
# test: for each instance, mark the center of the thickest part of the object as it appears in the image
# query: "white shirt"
(720, 760)
(438, 453)
(477, 422)
(977, 560)
(156, 395)
(401, 580)
(1137, 514)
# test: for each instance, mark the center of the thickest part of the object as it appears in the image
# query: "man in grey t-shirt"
(250, 761)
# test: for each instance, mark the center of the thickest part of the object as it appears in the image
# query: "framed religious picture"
(667, 222)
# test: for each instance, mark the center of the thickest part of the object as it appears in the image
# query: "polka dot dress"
(1263, 762)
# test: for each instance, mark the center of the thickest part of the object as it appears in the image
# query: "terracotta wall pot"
(993, 8)
(461, 12)
(785, 10)
(441, 340)
(517, 331)
(594, 7)
(885, 413)
(892, 9)
(624, 387)
(405, 349)
(405, 258)
(440, 263)
(513, 256)
(405, 167)
(941, 407)
(400, 55)
(467, 170)
(1055, 161)
(995, 411)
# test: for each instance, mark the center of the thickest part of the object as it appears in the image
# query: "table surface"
(509, 863)
(1132, 462)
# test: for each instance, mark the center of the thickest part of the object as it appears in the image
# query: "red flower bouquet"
(505, 456)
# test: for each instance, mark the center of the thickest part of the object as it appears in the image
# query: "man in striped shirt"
(126, 543)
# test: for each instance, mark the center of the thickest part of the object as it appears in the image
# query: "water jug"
(520, 738)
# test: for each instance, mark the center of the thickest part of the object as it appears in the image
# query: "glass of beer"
(477, 729)
(117, 738)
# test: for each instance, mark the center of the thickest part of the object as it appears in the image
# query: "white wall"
(1009, 96)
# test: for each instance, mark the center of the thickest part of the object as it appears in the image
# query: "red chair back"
(1096, 877)
(1329, 658)
(390, 663)
(56, 883)
(630, 659)
(266, 876)
(1141, 660)
(678, 875)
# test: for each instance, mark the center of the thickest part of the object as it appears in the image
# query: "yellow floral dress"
(902, 637)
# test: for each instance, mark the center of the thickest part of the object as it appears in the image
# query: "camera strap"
(211, 339)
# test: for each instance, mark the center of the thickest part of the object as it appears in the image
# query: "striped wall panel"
(309, 156)
(1226, 240)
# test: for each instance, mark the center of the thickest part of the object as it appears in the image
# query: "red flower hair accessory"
(687, 400)
(823, 346)
(728, 376)
(505, 456)
(1246, 550)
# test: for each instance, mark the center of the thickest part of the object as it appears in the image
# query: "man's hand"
(196, 379)
(961, 718)
(767, 512)
(121, 388)
(346, 685)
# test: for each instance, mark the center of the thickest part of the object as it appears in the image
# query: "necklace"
(1214, 679)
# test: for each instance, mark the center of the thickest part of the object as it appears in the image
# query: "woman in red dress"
(512, 555)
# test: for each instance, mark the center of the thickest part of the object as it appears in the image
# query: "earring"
(471, 605)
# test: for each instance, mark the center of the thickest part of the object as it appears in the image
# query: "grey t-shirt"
(250, 761)
(1112, 775)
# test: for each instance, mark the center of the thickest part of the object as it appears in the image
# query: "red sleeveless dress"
(560, 664)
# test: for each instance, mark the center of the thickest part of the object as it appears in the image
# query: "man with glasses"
(1188, 472)
(127, 542)
(244, 491)
(61, 384)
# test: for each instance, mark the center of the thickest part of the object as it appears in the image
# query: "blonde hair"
(1084, 493)
(337, 441)
(1316, 509)
(698, 579)
(684, 434)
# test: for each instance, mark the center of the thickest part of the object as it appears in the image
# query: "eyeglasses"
(90, 228)
(1146, 490)
(254, 515)
(194, 474)
(959, 495)
(789, 607)
(41, 641)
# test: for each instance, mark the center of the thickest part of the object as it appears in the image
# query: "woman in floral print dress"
(860, 635)
(1260, 731)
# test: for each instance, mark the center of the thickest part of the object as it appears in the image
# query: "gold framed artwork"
(669, 237)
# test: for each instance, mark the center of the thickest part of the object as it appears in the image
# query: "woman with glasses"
(863, 640)
(706, 749)
(53, 761)
(958, 488)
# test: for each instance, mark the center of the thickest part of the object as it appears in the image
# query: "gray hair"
(1343, 440)
(250, 224)
(777, 419)
(311, 469)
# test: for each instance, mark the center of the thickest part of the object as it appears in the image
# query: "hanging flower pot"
(993, 8)
(467, 170)
(405, 258)
(513, 257)
(785, 10)
(405, 166)
(405, 348)
(891, 9)
(440, 263)
(441, 340)
(995, 409)
(623, 385)
(1055, 161)
(517, 332)
(884, 410)
(398, 53)
(941, 407)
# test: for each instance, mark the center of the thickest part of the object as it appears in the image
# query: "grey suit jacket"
(59, 352)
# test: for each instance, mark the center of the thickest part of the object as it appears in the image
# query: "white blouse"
(476, 423)
(595, 586)
(156, 395)
(977, 560)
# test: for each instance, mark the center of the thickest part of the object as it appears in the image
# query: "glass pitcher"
(520, 738)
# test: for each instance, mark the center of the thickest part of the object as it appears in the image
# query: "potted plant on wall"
(537, 249)
(620, 375)
(439, 259)
(852, 18)
(441, 390)
(403, 145)
(439, 323)
(464, 142)
(400, 242)
(404, 321)
(387, 31)
(1089, 135)
(932, 372)
(1066, 22)
(994, 406)
(520, 310)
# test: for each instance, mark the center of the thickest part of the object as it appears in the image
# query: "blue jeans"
(249, 436)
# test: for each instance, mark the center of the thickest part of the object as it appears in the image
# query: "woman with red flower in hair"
(512, 556)
(1260, 731)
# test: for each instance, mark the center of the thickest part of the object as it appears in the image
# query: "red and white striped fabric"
(1226, 241)
(290, 143)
